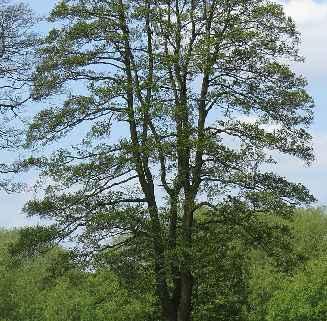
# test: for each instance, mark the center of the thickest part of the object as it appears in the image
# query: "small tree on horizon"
(179, 106)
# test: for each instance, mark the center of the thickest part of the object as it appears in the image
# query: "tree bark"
(185, 304)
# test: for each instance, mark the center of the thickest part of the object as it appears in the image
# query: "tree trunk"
(185, 306)
(185, 303)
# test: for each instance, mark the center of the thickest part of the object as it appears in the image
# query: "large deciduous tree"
(180, 107)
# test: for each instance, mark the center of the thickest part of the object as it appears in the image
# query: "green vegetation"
(50, 287)
(235, 283)
(158, 97)
(157, 126)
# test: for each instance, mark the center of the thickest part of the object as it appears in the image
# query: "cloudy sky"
(311, 18)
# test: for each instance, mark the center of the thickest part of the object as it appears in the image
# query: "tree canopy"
(50, 287)
(163, 110)
(158, 126)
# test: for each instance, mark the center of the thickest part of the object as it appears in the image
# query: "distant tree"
(18, 43)
(309, 229)
(6, 305)
(284, 291)
(96, 296)
(169, 108)
(302, 298)
(50, 287)
(20, 295)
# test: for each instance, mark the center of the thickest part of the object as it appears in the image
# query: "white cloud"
(311, 19)
(320, 143)
(307, 12)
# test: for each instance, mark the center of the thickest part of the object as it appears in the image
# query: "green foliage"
(221, 275)
(233, 280)
(177, 109)
(49, 287)
(264, 280)
(299, 292)
(303, 298)
(309, 229)
(97, 296)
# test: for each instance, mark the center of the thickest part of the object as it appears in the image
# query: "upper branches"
(195, 95)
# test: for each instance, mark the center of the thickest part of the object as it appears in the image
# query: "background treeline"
(237, 282)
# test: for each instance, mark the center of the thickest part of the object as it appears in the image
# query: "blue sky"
(41, 6)
(311, 18)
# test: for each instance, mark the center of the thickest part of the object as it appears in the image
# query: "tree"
(18, 42)
(302, 298)
(276, 292)
(309, 229)
(6, 304)
(50, 287)
(20, 294)
(221, 274)
(95, 296)
(168, 108)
